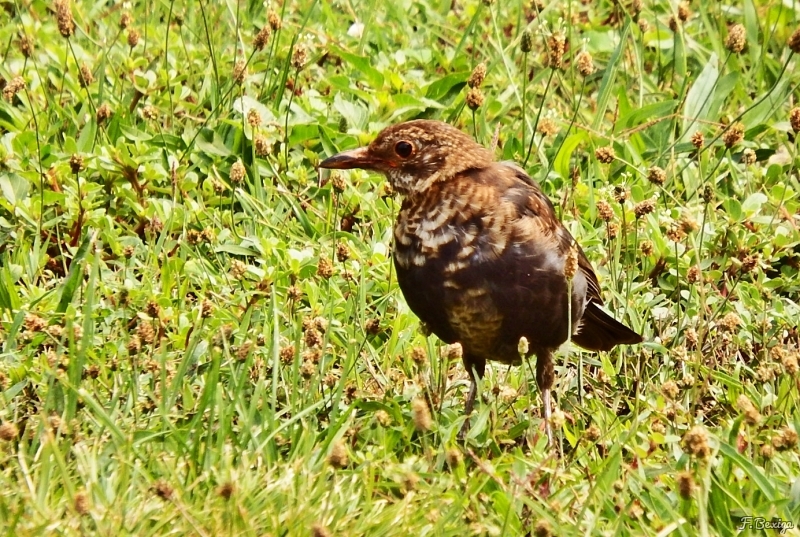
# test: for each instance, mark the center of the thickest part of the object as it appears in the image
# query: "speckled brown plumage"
(480, 253)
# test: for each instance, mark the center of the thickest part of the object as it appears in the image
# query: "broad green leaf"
(698, 99)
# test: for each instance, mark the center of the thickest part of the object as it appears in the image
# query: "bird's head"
(415, 155)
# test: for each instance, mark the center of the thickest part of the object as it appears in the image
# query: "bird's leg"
(476, 368)
(545, 375)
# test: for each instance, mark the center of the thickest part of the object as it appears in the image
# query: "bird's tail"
(598, 331)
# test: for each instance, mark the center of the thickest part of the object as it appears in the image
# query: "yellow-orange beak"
(347, 160)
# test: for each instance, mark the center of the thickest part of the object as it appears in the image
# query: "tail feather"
(598, 331)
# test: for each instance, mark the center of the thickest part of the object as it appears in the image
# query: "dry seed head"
(337, 182)
(749, 263)
(133, 37)
(751, 414)
(686, 484)
(342, 252)
(454, 457)
(299, 57)
(262, 145)
(324, 268)
(684, 12)
(571, 263)
(421, 415)
(238, 269)
(294, 293)
(636, 8)
(86, 77)
(766, 373)
(621, 194)
(76, 163)
(383, 418)
(14, 86)
(206, 308)
(237, 172)
(693, 275)
(670, 389)
(8, 431)
(478, 75)
(543, 529)
(643, 25)
(604, 154)
(766, 451)
(656, 175)
(208, 234)
(695, 442)
(150, 112)
(25, 45)
(785, 440)
(644, 208)
(103, 113)
(526, 42)
(698, 140)
(274, 20)
(794, 119)
(319, 530)
(454, 351)
(163, 489)
(673, 23)
(338, 455)
(556, 46)
(125, 20)
(789, 362)
(730, 322)
(689, 224)
(134, 345)
(308, 369)
(475, 98)
(81, 503)
(145, 332)
(262, 37)
(547, 127)
(647, 248)
(225, 491)
(34, 323)
(733, 135)
(239, 71)
(612, 230)
(593, 433)
(419, 356)
(748, 157)
(244, 351)
(66, 24)
(584, 62)
(312, 337)
(605, 211)
(794, 42)
(286, 354)
(523, 347)
(253, 118)
(736, 39)
(708, 194)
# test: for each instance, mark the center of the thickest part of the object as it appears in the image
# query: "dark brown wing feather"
(598, 331)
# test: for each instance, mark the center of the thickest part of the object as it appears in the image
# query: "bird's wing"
(531, 201)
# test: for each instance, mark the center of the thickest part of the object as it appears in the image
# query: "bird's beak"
(347, 160)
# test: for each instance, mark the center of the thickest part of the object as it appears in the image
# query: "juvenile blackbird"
(480, 254)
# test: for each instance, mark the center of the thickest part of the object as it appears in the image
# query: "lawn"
(202, 334)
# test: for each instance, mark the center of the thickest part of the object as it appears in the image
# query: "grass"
(202, 335)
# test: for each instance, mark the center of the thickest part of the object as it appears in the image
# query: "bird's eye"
(403, 149)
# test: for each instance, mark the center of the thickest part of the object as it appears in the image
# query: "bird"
(481, 256)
